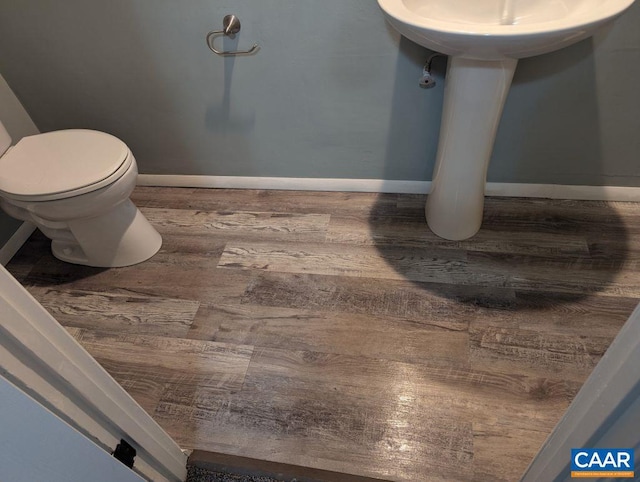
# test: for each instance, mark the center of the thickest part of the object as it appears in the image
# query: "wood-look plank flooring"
(335, 331)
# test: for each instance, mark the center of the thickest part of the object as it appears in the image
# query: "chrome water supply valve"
(427, 79)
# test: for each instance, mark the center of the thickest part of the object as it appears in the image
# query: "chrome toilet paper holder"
(230, 27)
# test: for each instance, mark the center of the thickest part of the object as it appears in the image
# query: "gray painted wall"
(37, 445)
(332, 93)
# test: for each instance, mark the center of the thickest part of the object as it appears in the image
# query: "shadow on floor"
(548, 251)
(43, 269)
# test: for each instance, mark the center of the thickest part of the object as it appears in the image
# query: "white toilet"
(74, 185)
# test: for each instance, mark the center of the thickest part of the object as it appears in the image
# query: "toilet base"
(120, 237)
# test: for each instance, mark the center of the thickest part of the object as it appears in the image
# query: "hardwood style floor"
(335, 331)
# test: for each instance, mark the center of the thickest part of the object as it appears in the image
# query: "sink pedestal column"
(474, 95)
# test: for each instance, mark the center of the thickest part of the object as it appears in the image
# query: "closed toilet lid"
(60, 162)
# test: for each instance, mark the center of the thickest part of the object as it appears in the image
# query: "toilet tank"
(5, 140)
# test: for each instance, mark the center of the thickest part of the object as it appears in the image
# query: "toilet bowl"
(74, 185)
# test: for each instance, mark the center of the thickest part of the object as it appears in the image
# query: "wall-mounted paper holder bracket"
(230, 27)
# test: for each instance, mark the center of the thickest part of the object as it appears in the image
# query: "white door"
(48, 366)
(605, 413)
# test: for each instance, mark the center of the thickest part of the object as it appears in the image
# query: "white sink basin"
(484, 39)
(495, 29)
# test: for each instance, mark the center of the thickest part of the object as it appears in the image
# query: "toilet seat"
(62, 164)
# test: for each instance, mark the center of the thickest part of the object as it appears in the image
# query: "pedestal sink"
(484, 39)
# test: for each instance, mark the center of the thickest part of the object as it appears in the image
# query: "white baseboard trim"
(15, 242)
(551, 191)
(563, 191)
(284, 183)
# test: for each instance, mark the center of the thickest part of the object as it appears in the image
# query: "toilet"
(74, 185)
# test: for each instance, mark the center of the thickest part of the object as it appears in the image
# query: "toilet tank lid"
(60, 161)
